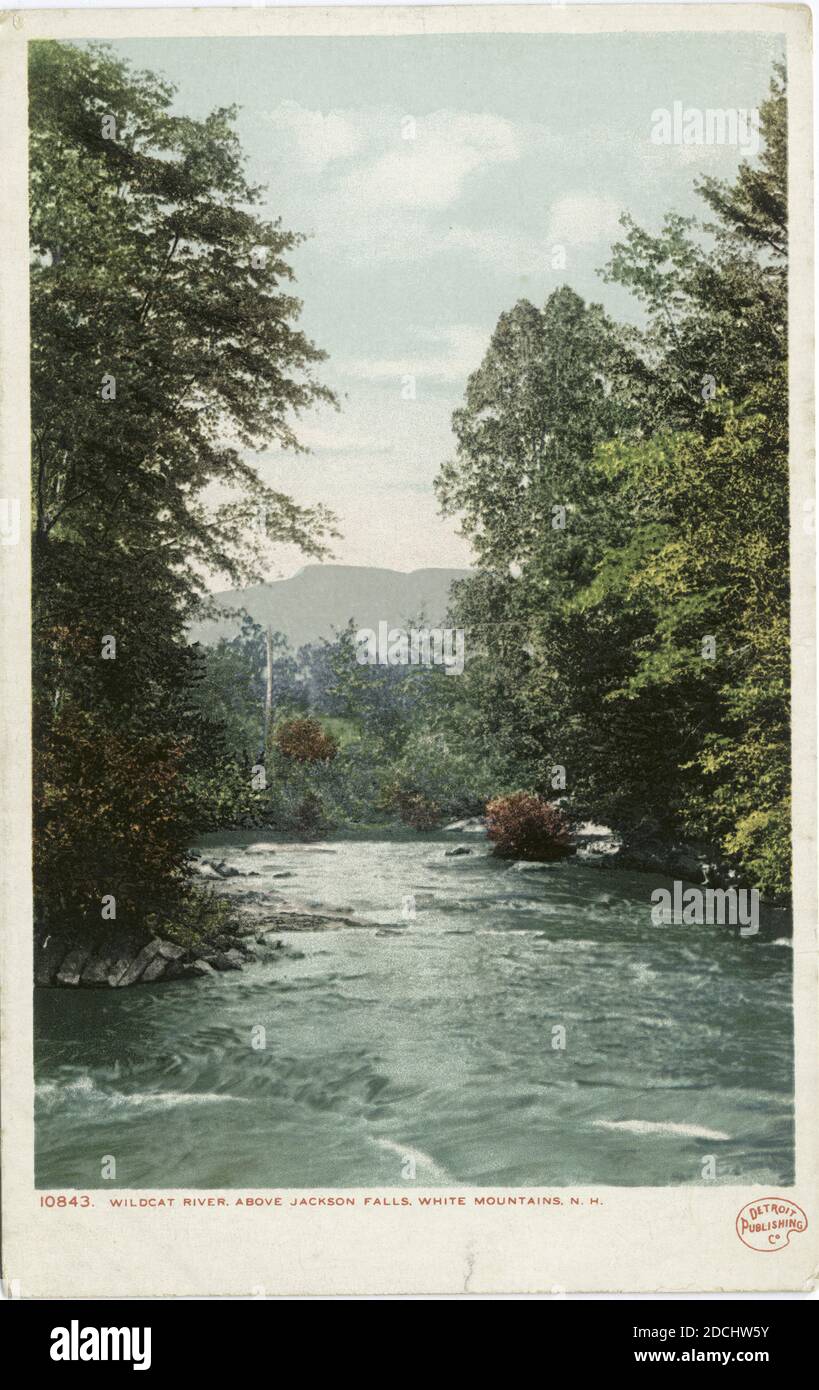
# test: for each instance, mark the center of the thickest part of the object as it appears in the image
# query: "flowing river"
(432, 1044)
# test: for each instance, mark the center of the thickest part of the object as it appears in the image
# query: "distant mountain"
(321, 598)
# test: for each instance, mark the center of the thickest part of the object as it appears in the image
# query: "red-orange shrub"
(413, 807)
(524, 826)
(305, 741)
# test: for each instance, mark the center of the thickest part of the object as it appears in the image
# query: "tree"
(553, 385)
(164, 348)
(667, 448)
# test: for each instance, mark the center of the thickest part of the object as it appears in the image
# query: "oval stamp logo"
(768, 1223)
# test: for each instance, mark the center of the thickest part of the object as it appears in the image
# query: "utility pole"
(268, 697)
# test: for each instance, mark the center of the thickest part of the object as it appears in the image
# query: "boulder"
(195, 968)
(170, 951)
(227, 870)
(100, 966)
(453, 853)
(270, 940)
(470, 825)
(70, 972)
(227, 960)
(154, 971)
(206, 870)
(141, 960)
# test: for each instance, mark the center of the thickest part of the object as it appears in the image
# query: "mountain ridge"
(319, 599)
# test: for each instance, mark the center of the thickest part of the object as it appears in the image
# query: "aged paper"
(408, 575)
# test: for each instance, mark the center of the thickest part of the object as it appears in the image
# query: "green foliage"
(157, 335)
(196, 918)
(668, 449)
(438, 771)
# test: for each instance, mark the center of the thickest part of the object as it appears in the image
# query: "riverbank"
(112, 957)
(255, 918)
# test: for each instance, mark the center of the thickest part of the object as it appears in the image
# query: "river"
(431, 1044)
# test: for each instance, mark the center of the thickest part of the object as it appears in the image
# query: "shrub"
(310, 820)
(524, 826)
(305, 741)
(413, 808)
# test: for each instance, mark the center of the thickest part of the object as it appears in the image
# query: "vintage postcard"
(408, 704)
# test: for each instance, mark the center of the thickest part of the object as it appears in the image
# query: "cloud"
(582, 218)
(318, 139)
(430, 169)
(400, 161)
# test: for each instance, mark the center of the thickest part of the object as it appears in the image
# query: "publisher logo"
(768, 1223)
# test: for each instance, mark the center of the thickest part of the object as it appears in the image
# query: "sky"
(435, 177)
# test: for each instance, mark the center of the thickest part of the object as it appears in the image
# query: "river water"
(431, 1044)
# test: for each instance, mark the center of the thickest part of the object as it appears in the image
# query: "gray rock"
(470, 825)
(198, 968)
(186, 969)
(118, 967)
(453, 853)
(270, 940)
(70, 972)
(99, 967)
(227, 960)
(170, 951)
(154, 971)
(106, 966)
(139, 963)
(206, 871)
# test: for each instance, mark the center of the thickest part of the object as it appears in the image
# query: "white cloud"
(430, 170)
(318, 139)
(582, 218)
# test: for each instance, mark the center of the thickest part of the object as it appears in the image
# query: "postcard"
(408, 697)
